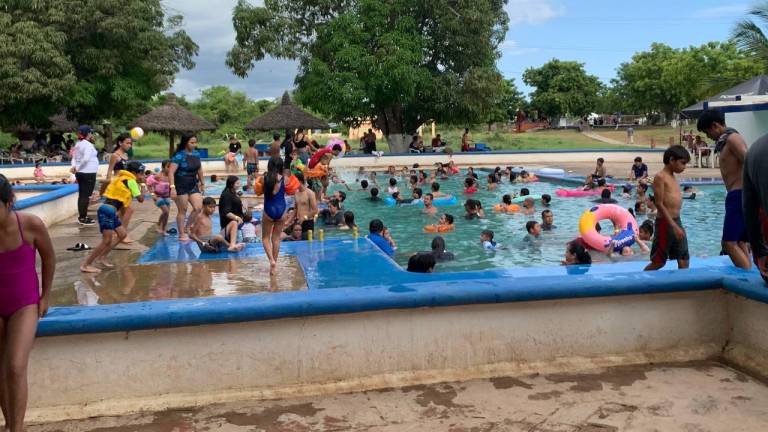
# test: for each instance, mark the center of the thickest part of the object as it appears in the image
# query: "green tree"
(400, 62)
(749, 36)
(506, 103)
(229, 110)
(563, 88)
(666, 80)
(34, 70)
(97, 59)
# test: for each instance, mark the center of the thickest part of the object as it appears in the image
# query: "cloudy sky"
(598, 33)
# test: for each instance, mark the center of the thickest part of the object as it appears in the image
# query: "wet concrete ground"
(129, 282)
(692, 397)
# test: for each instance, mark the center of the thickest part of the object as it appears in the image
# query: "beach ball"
(137, 133)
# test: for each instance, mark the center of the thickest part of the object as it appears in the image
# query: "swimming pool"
(702, 218)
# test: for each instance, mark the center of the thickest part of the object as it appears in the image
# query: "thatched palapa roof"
(59, 123)
(286, 116)
(172, 117)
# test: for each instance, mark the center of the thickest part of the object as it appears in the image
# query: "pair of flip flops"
(172, 231)
(79, 247)
(207, 247)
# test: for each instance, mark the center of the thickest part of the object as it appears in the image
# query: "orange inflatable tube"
(438, 228)
(503, 208)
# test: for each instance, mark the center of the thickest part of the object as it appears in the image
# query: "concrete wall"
(750, 124)
(113, 373)
(748, 339)
(55, 211)
(463, 159)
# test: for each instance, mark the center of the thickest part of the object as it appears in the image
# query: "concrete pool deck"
(693, 396)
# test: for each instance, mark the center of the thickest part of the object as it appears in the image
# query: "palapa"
(172, 118)
(286, 116)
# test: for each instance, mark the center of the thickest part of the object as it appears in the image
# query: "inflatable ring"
(522, 198)
(436, 228)
(437, 202)
(503, 208)
(625, 223)
(576, 193)
(556, 172)
(292, 185)
(258, 185)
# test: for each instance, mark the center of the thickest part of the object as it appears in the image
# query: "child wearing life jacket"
(119, 194)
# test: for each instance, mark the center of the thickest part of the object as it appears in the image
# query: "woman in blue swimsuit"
(187, 187)
(274, 208)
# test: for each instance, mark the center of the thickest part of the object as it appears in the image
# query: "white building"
(745, 107)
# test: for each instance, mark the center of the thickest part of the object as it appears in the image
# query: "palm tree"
(748, 36)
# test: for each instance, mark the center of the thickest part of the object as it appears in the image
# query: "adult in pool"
(274, 209)
(22, 236)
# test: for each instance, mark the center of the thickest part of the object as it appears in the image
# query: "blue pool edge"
(72, 320)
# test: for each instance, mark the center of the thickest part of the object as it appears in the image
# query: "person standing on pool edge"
(274, 209)
(85, 165)
(22, 304)
(732, 150)
(756, 202)
(187, 187)
(669, 241)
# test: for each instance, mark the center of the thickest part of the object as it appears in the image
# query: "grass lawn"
(535, 140)
(155, 146)
(643, 135)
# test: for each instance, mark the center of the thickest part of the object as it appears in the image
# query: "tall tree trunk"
(109, 142)
(391, 123)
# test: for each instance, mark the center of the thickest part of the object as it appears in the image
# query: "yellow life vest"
(117, 190)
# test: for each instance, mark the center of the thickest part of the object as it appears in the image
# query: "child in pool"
(492, 182)
(392, 186)
(444, 224)
(160, 187)
(421, 263)
(626, 191)
(524, 192)
(487, 242)
(363, 186)
(391, 171)
(534, 231)
(576, 254)
(528, 207)
(374, 195)
(249, 228)
(474, 209)
(645, 233)
(689, 192)
(202, 231)
(506, 205)
(413, 181)
(470, 185)
(436, 190)
(546, 200)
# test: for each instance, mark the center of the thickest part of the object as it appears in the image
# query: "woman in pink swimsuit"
(21, 302)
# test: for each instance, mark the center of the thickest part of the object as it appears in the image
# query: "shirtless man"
(251, 161)
(732, 149)
(274, 148)
(669, 241)
(429, 208)
(202, 231)
(306, 206)
(756, 202)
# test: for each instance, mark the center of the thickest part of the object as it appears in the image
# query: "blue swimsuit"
(275, 207)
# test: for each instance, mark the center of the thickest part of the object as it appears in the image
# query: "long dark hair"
(274, 168)
(183, 142)
(122, 137)
(6, 191)
(231, 180)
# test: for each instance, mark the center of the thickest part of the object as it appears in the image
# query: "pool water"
(702, 218)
